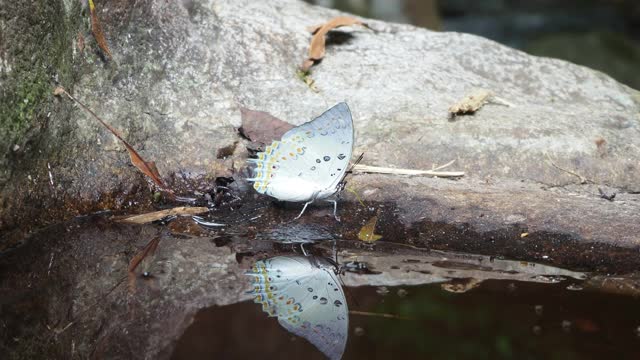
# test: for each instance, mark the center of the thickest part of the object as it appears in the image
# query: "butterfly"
(309, 162)
(304, 293)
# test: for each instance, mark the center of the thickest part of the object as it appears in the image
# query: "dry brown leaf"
(147, 253)
(158, 215)
(367, 233)
(470, 103)
(96, 29)
(318, 41)
(147, 167)
(262, 127)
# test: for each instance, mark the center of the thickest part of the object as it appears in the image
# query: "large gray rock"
(181, 72)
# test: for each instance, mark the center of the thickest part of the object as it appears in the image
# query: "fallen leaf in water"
(96, 29)
(262, 127)
(367, 233)
(318, 41)
(158, 215)
(470, 103)
(147, 255)
(147, 167)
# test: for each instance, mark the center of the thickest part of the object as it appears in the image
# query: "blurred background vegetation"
(601, 34)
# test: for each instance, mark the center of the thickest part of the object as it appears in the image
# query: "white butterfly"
(304, 293)
(309, 162)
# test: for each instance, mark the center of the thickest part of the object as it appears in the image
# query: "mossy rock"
(37, 57)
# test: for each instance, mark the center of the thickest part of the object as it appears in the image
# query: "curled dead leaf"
(318, 41)
(96, 29)
(470, 103)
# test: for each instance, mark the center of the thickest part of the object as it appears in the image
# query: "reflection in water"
(304, 293)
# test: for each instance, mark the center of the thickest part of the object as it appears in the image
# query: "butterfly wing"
(307, 299)
(310, 160)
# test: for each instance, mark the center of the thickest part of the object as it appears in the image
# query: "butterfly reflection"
(304, 293)
(309, 162)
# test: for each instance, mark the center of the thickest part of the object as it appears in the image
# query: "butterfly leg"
(335, 209)
(303, 251)
(303, 209)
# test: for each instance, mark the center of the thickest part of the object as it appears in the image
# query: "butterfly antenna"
(350, 171)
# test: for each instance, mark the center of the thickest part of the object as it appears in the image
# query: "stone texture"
(183, 70)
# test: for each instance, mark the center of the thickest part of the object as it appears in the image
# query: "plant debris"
(474, 101)
(470, 103)
(386, 170)
(367, 233)
(305, 76)
(96, 29)
(147, 167)
(262, 127)
(159, 215)
(147, 255)
(318, 41)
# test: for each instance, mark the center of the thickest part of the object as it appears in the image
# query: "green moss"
(38, 52)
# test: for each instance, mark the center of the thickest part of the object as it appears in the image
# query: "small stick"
(382, 315)
(385, 170)
(583, 180)
(444, 166)
(500, 101)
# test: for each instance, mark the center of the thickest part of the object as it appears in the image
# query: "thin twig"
(382, 315)
(444, 166)
(394, 171)
(583, 180)
(500, 101)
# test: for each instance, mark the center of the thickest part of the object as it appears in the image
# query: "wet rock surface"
(181, 74)
(183, 71)
(67, 292)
